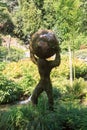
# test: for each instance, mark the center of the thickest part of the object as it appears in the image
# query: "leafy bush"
(2, 66)
(80, 40)
(14, 54)
(23, 73)
(9, 90)
(65, 117)
(77, 91)
(13, 70)
(21, 68)
(64, 71)
(27, 83)
(25, 67)
(3, 53)
(80, 69)
(5, 19)
(67, 114)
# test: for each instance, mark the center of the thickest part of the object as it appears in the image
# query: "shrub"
(9, 90)
(77, 91)
(80, 68)
(21, 68)
(27, 83)
(13, 70)
(15, 54)
(2, 66)
(65, 117)
(63, 70)
(23, 73)
(25, 67)
(3, 53)
(79, 41)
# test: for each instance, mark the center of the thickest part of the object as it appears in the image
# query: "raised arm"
(32, 56)
(56, 61)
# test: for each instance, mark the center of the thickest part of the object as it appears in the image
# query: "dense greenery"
(66, 17)
(19, 76)
(6, 24)
(25, 75)
(65, 117)
(14, 54)
(21, 79)
(9, 90)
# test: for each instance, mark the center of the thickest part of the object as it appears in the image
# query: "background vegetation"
(19, 76)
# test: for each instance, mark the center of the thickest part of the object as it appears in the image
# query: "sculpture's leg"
(37, 91)
(49, 92)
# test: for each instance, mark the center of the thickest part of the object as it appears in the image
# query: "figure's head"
(44, 43)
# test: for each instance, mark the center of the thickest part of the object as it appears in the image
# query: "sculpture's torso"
(44, 68)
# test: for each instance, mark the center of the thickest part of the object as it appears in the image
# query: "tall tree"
(68, 15)
(68, 22)
(6, 25)
(49, 14)
(27, 19)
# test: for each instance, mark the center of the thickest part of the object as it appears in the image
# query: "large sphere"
(44, 43)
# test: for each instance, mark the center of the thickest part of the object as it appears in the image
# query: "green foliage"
(48, 14)
(3, 13)
(79, 43)
(6, 25)
(84, 17)
(2, 66)
(81, 40)
(27, 83)
(21, 68)
(24, 73)
(80, 71)
(13, 54)
(67, 114)
(67, 17)
(9, 90)
(33, 15)
(77, 91)
(63, 69)
(3, 53)
(80, 68)
(65, 117)
(23, 83)
(39, 4)
(27, 19)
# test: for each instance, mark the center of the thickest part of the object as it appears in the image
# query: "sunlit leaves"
(68, 16)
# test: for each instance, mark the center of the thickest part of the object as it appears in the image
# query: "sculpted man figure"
(44, 44)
